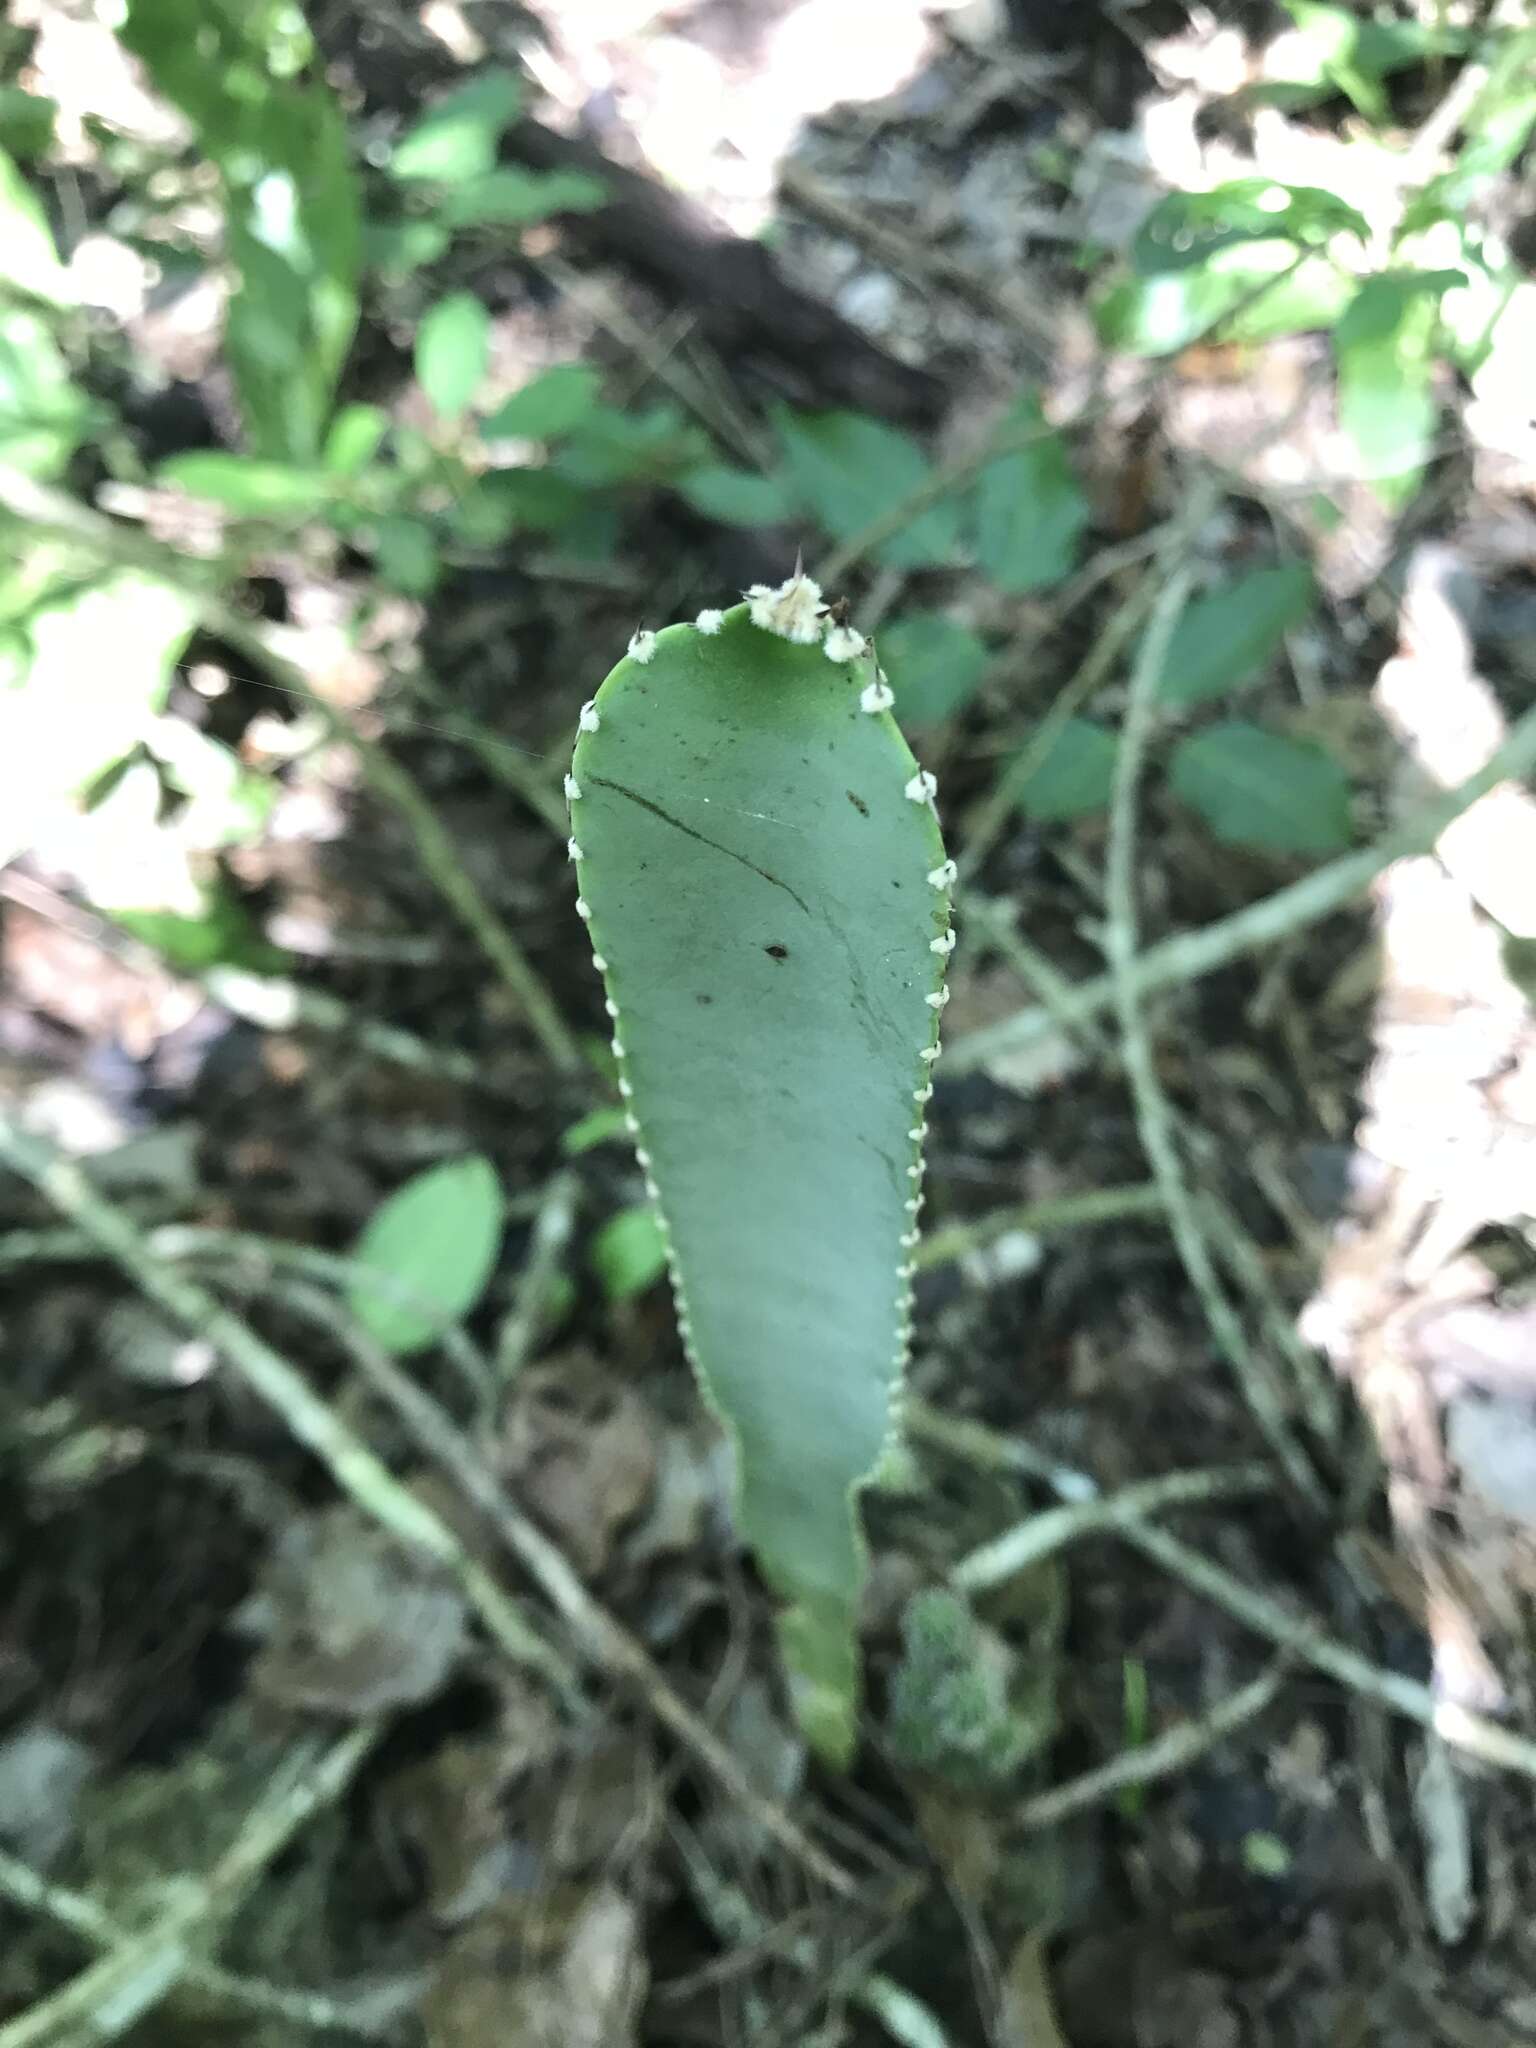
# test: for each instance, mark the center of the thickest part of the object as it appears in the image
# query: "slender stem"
(1114, 637)
(609, 1645)
(1300, 1634)
(940, 483)
(312, 1421)
(1188, 956)
(1174, 1750)
(177, 1241)
(1042, 1535)
(1055, 1212)
(1154, 1120)
(38, 506)
(114, 1994)
(994, 1452)
(553, 1223)
(78, 1914)
(276, 1004)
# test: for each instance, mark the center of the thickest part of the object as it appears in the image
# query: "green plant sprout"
(950, 1713)
(768, 895)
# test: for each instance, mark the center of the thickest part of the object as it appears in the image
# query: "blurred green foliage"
(323, 221)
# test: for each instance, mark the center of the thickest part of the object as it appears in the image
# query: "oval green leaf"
(433, 1246)
(551, 403)
(1227, 637)
(1261, 790)
(934, 665)
(1075, 777)
(453, 344)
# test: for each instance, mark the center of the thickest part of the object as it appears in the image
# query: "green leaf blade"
(453, 346)
(1227, 637)
(850, 471)
(1030, 510)
(433, 1246)
(1262, 790)
(759, 891)
(1073, 779)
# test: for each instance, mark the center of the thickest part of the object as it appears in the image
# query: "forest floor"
(1263, 1608)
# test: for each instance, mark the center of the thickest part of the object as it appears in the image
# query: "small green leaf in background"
(1336, 49)
(1075, 777)
(26, 122)
(598, 1127)
(1384, 347)
(1495, 128)
(629, 1254)
(851, 470)
(407, 555)
(453, 346)
(67, 713)
(737, 497)
(244, 484)
(551, 403)
(1185, 229)
(1030, 511)
(610, 446)
(226, 804)
(1259, 789)
(222, 936)
(1227, 637)
(518, 199)
(933, 664)
(437, 1239)
(43, 413)
(457, 138)
(247, 79)
(397, 249)
(28, 257)
(1249, 291)
(355, 437)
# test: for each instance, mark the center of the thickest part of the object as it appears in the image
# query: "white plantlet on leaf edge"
(572, 790)
(793, 610)
(876, 696)
(844, 644)
(938, 999)
(583, 909)
(922, 789)
(573, 851)
(710, 621)
(943, 877)
(642, 646)
(943, 947)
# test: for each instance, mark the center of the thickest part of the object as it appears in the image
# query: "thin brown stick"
(609, 1645)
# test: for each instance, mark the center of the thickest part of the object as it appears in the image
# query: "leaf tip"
(793, 610)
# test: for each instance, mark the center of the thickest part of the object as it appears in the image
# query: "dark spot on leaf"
(858, 803)
(702, 998)
(776, 951)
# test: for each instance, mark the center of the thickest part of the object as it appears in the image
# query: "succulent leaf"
(760, 867)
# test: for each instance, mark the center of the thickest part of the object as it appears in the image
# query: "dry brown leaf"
(454, 1807)
(351, 1624)
(565, 1969)
(580, 1453)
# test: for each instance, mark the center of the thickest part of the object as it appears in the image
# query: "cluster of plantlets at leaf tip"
(949, 1711)
(761, 873)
